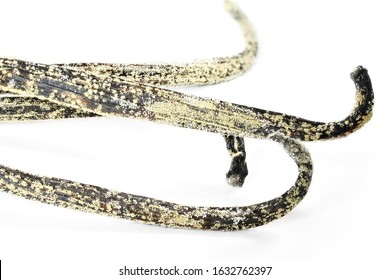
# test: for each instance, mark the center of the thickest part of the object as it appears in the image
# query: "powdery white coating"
(41, 91)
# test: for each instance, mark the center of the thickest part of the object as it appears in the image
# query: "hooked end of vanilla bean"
(361, 79)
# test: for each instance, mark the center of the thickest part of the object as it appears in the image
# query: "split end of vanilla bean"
(237, 172)
(238, 169)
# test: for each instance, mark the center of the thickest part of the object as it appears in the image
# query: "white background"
(307, 50)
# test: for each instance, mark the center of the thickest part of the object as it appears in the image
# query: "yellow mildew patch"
(365, 120)
(274, 118)
(180, 220)
(38, 187)
(199, 103)
(183, 221)
(360, 98)
(173, 111)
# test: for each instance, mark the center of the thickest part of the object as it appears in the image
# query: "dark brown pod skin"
(38, 92)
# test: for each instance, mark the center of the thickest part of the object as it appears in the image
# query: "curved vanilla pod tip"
(199, 72)
(307, 130)
(89, 198)
(361, 113)
(359, 116)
